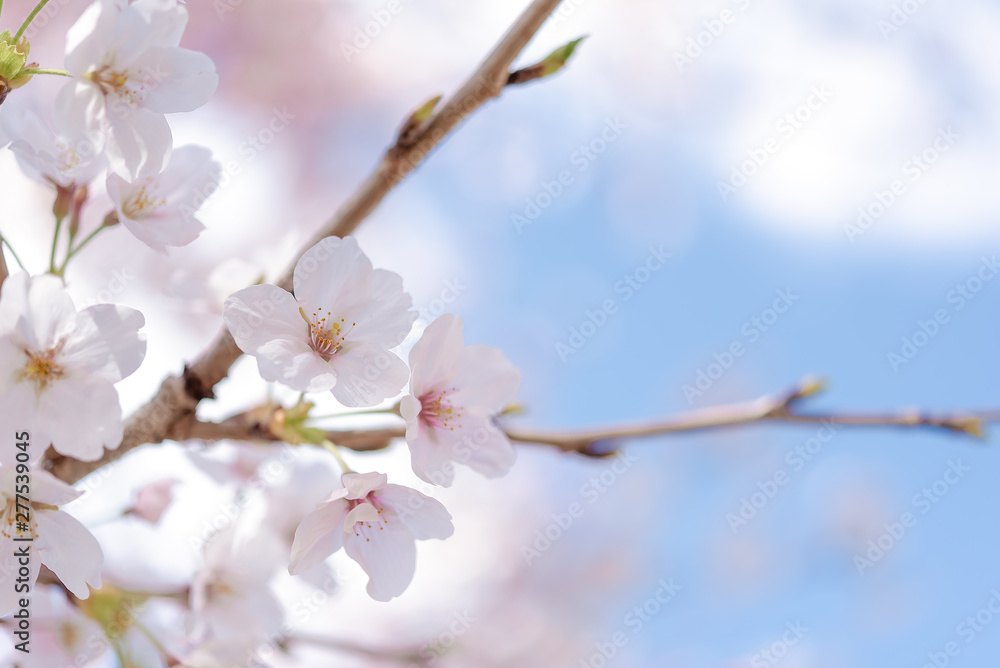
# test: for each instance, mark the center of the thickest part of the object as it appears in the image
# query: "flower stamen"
(326, 334)
(437, 411)
(143, 204)
(41, 368)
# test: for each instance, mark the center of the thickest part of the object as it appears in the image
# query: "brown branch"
(256, 425)
(178, 397)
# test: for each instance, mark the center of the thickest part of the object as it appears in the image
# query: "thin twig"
(178, 397)
(603, 441)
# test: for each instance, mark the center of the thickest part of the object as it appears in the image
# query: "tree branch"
(178, 397)
(256, 425)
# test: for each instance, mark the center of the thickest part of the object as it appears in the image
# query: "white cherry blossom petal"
(185, 79)
(106, 342)
(388, 556)
(90, 417)
(260, 314)
(48, 489)
(486, 379)
(367, 375)
(436, 358)
(387, 317)
(425, 517)
(360, 485)
(318, 536)
(70, 551)
(334, 272)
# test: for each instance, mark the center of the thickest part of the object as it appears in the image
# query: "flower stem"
(73, 251)
(46, 70)
(375, 411)
(31, 17)
(153, 640)
(336, 453)
(55, 244)
(13, 254)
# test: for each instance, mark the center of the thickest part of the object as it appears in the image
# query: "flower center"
(215, 591)
(326, 333)
(114, 82)
(437, 411)
(68, 157)
(143, 204)
(367, 529)
(41, 368)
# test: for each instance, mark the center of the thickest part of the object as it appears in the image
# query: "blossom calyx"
(13, 62)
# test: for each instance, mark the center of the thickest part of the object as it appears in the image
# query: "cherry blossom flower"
(377, 524)
(232, 604)
(58, 366)
(51, 156)
(60, 634)
(158, 207)
(152, 500)
(130, 72)
(60, 542)
(334, 334)
(455, 390)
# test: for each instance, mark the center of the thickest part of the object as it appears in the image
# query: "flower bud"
(13, 62)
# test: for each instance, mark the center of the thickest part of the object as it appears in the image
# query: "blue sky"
(856, 302)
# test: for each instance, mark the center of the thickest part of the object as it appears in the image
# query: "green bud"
(556, 60)
(289, 424)
(13, 62)
(416, 120)
(551, 64)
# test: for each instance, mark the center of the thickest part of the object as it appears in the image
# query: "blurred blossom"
(152, 500)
